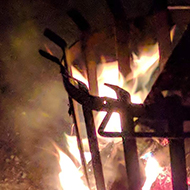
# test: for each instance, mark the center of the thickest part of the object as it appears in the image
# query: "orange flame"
(76, 74)
(70, 176)
(73, 148)
(109, 73)
(48, 49)
(142, 67)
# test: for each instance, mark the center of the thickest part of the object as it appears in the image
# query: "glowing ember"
(164, 180)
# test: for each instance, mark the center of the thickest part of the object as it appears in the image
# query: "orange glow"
(142, 68)
(172, 33)
(76, 74)
(73, 148)
(48, 50)
(143, 62)
(109, 73)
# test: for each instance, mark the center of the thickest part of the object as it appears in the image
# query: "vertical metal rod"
(130, 147)
(88, 54)
(130, 150)
(91, 71)
(177, 149)
(79, 141)
(161, 23)
(177, 154)
(94, 149)
(121, 36)
(87, 49)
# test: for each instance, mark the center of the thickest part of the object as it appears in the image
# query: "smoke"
(33, 102)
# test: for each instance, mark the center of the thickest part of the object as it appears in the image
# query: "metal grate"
(169, 109)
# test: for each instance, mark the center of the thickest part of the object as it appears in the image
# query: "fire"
(143, 62)
(152, 170)
(76, 74)
(70, 176)
(136, 84)
(109, 73)
(142, 68)
(73, 148)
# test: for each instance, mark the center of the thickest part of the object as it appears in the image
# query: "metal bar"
(130, 146)
(121, 36)
(79, 142)
(55, 38)
(87, 49)
(177, 69)
(143, 135)
(177, 149)
(130, 152)
(94, 149)
(73, 106)
(65, 70)
(79, 20)
(50, 57)
(177, 154)
(161, 24)
(179, 7)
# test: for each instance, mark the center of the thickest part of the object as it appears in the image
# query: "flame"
(73, 148)
(76, 74)
(109, 73)
(70, 176)
(136, 84)
(142, 68)
(48, 49)
(142, 63)
(172, 33)
(152, 170)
